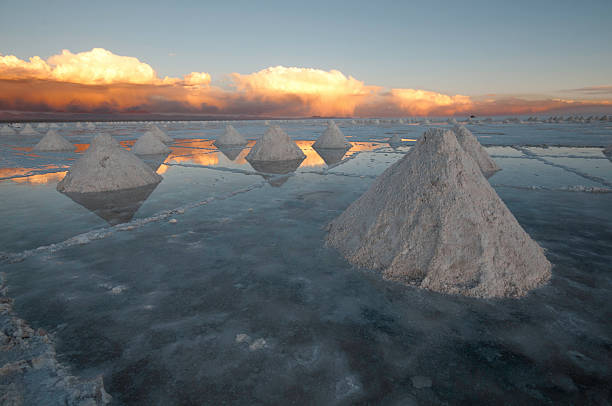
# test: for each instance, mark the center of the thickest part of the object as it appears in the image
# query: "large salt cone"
(470, 144)
(149, 144)
(332, 138)
(106, 166)
(608, 151)
(230, 137)
(275, 145)
(52, 141)
(432, 220)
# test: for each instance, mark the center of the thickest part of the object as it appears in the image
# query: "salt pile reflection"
(115, 207)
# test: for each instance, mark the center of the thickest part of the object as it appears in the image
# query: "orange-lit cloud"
(319, 92)
(101, 82)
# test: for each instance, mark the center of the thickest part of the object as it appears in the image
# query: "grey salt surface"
(157, 306)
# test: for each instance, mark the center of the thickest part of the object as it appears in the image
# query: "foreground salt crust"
(432, 220)
(106, 166)
(52, 141)
(332, 138)
(149, 144)
(275, 145)
(230, 137)
(470, 144)
(30, 373)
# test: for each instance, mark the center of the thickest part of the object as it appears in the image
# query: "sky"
(515, 53)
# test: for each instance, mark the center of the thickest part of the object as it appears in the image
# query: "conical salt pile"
(470, 144)
(608, 151)
(230, 137)
(52, 141)
(432, 220)
(163, 137)
(28, 130)
(332, 137)
(6, 130)
(106, 166)
(91, 126)
(149, 144)
(275, 145)
(395, 140)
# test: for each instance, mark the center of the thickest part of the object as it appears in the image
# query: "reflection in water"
(312, 158)
(155, 161)
(115, 207)
(332, 156)
(22, 175)
(41, 179)
(232, 152)
(276, 167)
(275, 181)
(203, 152)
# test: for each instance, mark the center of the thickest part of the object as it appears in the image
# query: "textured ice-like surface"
(218, 250)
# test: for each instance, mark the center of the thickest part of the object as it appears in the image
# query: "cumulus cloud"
(99, 81)
(319, 92)
(422, 102)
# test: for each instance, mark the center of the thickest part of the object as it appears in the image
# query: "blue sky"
(473, 48)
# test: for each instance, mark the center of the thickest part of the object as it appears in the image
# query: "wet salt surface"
(238, 301)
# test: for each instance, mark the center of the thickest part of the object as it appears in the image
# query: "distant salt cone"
(470, 144)
(275, 145)
(230, 137)
(332, 137)
(106, 166)
(163, 137)
(149, 144)
(52, 141)
(395, 140)
(91, 126)
(608, 151)
(28, 130)
(6, 130)
(432, 220)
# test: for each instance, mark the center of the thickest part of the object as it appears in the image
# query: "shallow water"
(240, 302)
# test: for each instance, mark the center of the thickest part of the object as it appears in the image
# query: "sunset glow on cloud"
(99, 81)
